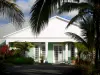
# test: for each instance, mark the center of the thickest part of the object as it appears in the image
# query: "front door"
(58, 53)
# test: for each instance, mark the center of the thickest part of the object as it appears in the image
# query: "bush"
(84, 66)
(20, 60)
(85, 69)
(81, 61)
(73, 58)
(16, 53)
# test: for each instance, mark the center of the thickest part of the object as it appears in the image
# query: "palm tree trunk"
(96, 18)
(96, 45)
(93, 57)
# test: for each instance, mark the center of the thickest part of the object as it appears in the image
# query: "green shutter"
(50, 53)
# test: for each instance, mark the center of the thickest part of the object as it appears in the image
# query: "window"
(72, 50)
(56, 52)
(69, 46)
(43, 50)
(36, 52)
(60, 49)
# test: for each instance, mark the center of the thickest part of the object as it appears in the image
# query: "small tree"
(22, 46)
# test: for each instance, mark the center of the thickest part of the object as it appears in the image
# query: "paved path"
(42, 70)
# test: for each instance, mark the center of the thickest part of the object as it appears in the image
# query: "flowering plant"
(4, 49)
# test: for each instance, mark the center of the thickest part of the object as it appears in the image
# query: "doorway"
(58, 53)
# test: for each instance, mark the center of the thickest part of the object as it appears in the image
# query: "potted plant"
(73, 60)
(42, 59)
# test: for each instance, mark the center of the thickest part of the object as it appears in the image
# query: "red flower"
(4, 49)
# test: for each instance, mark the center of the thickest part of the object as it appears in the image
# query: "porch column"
(39, 53)
(76, 52)
(7, 42)
(66, 52)
(46, 50)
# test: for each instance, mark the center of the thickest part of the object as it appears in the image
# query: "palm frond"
(40, 13)
(80, 46)
(84, 9)
(69, 6)
(80, 16)
(77, 38)
(88, 31)
(12, 11)
(76, 18)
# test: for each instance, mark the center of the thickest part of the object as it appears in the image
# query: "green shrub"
(20, 60)
(17, 53)
(29, 60)
(73, 58)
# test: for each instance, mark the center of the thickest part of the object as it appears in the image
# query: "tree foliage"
(12, 12)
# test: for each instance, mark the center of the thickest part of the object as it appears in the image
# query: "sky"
(25, 6)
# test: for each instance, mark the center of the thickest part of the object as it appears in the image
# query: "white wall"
(30, 53)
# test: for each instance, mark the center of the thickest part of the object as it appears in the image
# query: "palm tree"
(85, 9)
(96, 18)
(94, 9)
(88, 34)
(10, 10)
(97, 23)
